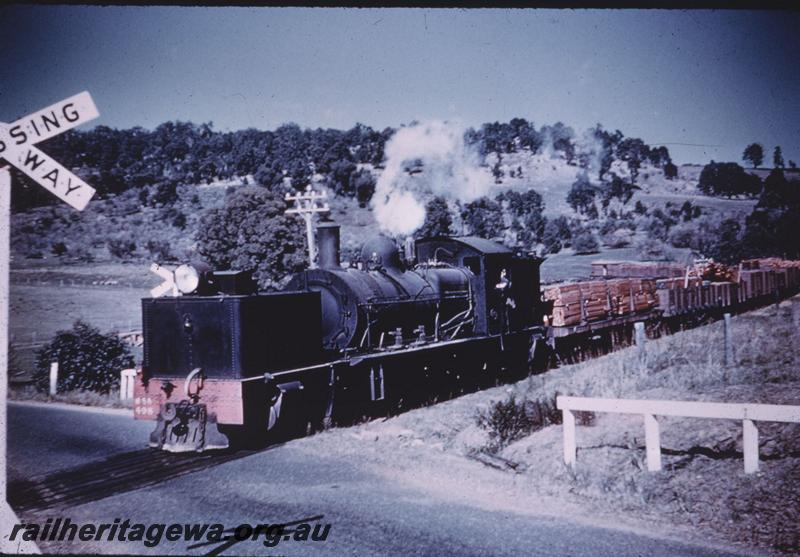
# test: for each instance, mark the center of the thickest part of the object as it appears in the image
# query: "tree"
(616, 188)
(634, 152)
(251, 232)
(561, 139)
(300, 174)
(557, 234)
(269, 174)
(773, 227)
(438, 221)
(527, 213)
(364, 184)
(777, 158)
(754, 154)
(670, 171)
(497, 171)
(689, 211)
(727, 179)
(659, 157)
(606, 142)
(339, 177)
(484, 218)
(728, 245)
(87, 360)
(581, 196)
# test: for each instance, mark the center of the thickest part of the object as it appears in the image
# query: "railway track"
(116, 474)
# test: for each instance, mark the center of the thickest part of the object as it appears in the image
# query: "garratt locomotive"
(336, 341)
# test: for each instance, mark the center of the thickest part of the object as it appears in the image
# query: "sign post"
(17, 142)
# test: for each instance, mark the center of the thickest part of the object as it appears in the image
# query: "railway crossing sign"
(169, 281)
(17, 141)
(18, 138)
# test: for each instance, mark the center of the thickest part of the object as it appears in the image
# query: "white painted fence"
(649, 409)
(126, 382)
(53, 378)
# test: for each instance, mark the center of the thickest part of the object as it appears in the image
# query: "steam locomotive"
(224, 362)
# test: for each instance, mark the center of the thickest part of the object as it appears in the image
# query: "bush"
(657, 228)
(88, 360)
(163, 194)
(682, 235)
(82, 253)
(618, 238)
(509, 420)
(653, 249)
(585, 243)
(159, 250)
(364, 184)
(179, 220)
(58, 248)
(121, 248)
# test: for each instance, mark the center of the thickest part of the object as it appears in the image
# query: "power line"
(686, 144)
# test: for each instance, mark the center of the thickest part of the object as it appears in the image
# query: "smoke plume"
(451, 170)
(431, 159)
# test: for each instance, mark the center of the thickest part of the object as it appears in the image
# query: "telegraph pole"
(306, 205)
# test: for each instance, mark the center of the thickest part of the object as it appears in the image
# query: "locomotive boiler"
(223, 360)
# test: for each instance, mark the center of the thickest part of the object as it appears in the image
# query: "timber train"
(224, 362)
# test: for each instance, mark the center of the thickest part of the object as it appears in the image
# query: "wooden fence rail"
(650, 409)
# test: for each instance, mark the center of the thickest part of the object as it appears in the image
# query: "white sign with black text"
(17, 142)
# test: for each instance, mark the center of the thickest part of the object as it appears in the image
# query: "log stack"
(636, 269)
(594, 296)
(596, 300)
(644, 293)
(715, 272)
(619, 291)
(566, 300)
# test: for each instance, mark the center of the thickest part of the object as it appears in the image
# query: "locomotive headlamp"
(187, 279)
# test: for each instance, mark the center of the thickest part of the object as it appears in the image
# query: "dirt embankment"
(702, 492)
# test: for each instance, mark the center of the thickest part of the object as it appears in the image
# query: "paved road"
(43, 440)
(368, 516)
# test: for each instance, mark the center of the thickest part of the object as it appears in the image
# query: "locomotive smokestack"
(328, 245)
(409, 250)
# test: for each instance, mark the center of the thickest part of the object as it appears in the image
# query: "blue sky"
(719, 79)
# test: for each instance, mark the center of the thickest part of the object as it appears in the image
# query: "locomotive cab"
(505, 284)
